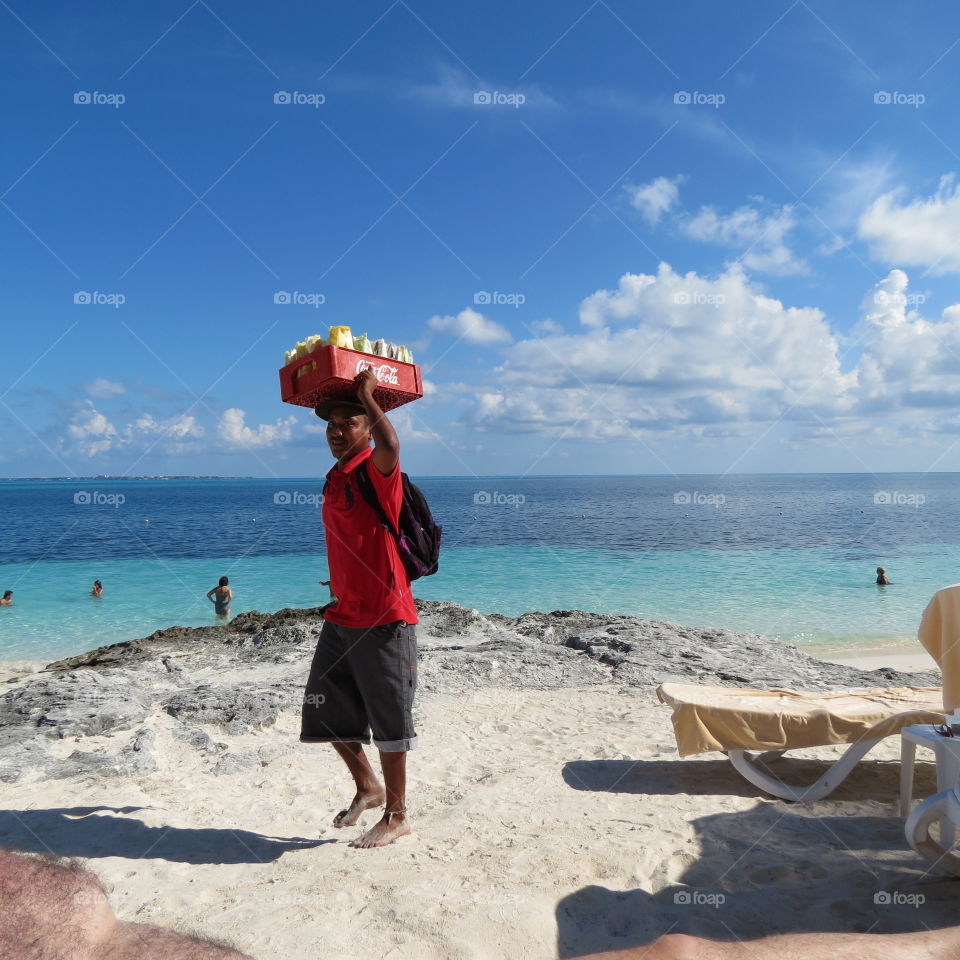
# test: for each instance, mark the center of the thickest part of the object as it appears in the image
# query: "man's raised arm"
(386, 445)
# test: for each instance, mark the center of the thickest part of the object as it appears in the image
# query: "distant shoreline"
(500, 476)
(113, 479)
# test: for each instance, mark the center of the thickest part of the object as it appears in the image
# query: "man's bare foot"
(361, 802)
(383, 832)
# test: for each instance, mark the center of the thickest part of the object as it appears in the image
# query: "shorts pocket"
(410, 660)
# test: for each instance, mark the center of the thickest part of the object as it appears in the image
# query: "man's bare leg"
(138, 941)
(54, 909)
(370, 792)
(394, 823)
(926, 945)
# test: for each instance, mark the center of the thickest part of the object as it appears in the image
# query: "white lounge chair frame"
(943, 807)
(705, 733)
(744, 761)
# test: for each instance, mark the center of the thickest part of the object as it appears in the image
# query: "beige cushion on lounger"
(740, 718)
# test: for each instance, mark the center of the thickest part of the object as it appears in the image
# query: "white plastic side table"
(946, 750)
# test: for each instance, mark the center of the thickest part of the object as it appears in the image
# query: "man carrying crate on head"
(364, 671)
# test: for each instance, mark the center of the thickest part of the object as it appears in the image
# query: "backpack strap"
(367, 491)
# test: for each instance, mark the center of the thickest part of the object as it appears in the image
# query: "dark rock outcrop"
(239, 677)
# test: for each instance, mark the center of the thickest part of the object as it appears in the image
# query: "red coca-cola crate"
(328, 373)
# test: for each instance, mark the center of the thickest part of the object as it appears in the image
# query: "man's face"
(348, 432)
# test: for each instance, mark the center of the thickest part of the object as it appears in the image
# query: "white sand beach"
(908, 660)
(548, 822)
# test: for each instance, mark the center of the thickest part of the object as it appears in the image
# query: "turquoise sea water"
(786, 556)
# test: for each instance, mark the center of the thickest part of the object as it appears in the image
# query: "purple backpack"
(418, 539)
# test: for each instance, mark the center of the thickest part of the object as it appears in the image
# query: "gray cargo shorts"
(362, 679)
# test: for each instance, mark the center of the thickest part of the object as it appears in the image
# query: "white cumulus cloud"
(909, 361)
(759, 239)
(91, 432)
(182, 427)
(686, 357)
(472, 326)
(104, 389)
(655, 198)
(547, 325)
(924, 231)
(236, 434)
(671, 351)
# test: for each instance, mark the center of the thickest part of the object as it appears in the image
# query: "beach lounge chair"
(939, 634)
(942, 808)
(737, 721)
(740, 720)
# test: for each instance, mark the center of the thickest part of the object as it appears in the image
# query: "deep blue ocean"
(787, 555)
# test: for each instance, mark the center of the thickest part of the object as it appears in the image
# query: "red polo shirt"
(366, 573)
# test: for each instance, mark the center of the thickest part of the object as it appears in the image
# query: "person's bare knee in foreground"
(57, 911)
(926, 945)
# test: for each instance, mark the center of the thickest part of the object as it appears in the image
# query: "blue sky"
(721, 239)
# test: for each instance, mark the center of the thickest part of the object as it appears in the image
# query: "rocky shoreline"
(234, 678)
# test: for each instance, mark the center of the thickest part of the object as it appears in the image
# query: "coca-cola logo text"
(384, 372)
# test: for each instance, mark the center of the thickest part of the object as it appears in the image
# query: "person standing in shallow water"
(882, 577)
(221, 596)
(364, 672)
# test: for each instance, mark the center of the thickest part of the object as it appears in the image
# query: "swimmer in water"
(97, 588)
(222, 595)
(882, 577)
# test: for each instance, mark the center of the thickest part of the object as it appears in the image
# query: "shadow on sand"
(103, 831)
(871, 779)
(775, 868)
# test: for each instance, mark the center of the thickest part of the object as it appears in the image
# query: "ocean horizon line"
(493, 476)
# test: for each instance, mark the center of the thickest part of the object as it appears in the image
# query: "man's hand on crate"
(386, 446)
(366, 381)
